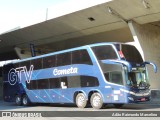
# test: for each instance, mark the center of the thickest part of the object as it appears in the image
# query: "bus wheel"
(118, 105)
(96, 101)
(25, 100)
(81, 100)
(18, 100)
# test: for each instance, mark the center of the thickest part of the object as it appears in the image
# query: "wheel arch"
(20, 94)
(76, 93)
(94, 91)
(88, 95)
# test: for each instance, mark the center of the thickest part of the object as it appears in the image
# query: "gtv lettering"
(15, 74)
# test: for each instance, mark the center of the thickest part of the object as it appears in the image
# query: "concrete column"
(147, 37)
(135, 38)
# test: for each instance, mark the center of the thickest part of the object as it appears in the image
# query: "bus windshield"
(104, 52)
(138, 79)
(131, 54)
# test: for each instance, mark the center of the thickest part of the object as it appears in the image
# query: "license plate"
(143, 99)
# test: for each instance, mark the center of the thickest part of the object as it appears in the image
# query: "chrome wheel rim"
(96, 101)
(80, 101)
(18, 99)
(24, 100)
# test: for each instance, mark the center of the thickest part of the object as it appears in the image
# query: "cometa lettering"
(65, 71)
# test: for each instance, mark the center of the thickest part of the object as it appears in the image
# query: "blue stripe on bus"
(48, 95)
(61, 95)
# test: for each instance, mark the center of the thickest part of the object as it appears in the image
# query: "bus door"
(116, 77)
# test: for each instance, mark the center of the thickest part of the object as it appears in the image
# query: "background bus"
(94, 74)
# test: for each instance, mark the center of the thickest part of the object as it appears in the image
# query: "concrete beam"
(147, 37)
(22, 53)
(135, 38)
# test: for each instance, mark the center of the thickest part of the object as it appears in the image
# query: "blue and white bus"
(97, 74)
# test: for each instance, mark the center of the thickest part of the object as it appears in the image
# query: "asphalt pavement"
(69, 112)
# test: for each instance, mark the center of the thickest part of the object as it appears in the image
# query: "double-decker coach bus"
(97, 74)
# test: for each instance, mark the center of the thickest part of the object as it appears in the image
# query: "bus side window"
(25, 63)
(64, 59)
(81, 57)
(116, 77)
(37, 63)
(64, 83)
(54, 83)
(43, 84)
(105, 52)
(76, 57)
(49, 61)
(85, 58)
(16, 65)
(89, 81)
(107, 76)
(74, 81)
(33, 85)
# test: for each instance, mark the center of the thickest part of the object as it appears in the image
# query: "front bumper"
(133, 97)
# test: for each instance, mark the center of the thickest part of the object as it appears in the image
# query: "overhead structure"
(108, 16)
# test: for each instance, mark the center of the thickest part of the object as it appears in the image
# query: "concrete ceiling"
(77, 24)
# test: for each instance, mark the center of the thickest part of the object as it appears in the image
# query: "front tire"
(25, 100)
(81, 100)
(18, 100)
(96, 101)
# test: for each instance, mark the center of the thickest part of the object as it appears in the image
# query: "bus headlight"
(130, 98)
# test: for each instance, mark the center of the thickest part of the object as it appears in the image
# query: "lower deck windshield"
(138, 79)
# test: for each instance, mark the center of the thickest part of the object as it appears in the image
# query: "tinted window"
(25, 63)
(49, 61)
(106, 76)
(114, 77)
(32, 85)
(81, 57)
(16, 65)
(88, 81)
(43, 84)
(74, 81)
(54, 83)
(64, 59)
(131, 54)
(63, 82)
(105, 52)
(37, 63)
